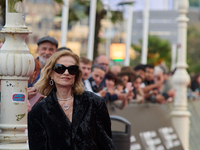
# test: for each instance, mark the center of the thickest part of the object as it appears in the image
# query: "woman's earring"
(51, 82)
(73, 85)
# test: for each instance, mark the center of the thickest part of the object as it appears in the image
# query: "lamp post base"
(22, 146)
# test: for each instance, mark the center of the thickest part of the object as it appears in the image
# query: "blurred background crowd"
(132, 84)
(152, 82)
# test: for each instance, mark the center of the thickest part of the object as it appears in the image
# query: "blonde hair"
(43, 86)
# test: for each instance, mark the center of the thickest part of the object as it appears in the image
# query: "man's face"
(98, 75)
(149, 74)
(115, 69)
(86, 69)
(45, 50)
(104, 61)
(140, 73)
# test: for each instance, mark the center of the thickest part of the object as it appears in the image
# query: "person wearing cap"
(47, 46)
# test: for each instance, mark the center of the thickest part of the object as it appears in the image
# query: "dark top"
(49, 127)
(36, 79)
(195, 86)
(148, 82)
(95, 88)
(103, 82)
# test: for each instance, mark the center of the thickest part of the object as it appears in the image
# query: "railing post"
(180, 114)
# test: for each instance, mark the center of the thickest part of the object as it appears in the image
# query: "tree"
(3, 10)
(159, 50)
(80, 9)
(193, 44)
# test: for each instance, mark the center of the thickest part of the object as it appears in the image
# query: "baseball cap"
(48, 39)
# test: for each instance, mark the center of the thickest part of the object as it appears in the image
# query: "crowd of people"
(139, 83)
(67, 96)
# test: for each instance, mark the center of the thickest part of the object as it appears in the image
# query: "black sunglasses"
(60, 69)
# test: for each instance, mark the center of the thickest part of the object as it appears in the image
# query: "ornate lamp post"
(16, 65)
(180, 114)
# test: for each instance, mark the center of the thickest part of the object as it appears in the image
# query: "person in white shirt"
(93, 83)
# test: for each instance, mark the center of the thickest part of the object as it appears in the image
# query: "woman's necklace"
(65, 106)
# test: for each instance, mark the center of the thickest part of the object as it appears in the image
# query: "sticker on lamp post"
(18, 97)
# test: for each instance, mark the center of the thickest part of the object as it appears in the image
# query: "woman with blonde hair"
(68, 117)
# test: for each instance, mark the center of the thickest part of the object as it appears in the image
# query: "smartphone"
(105, 89)
(129, 86)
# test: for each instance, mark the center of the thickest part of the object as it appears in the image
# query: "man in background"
(47, 46)
(104, 61)
(85, 65)
(116, 69)
(151, 88)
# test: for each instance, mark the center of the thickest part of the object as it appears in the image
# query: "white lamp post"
(180, 114)
(92, 21)
(108, 29)
(129, 3)
(16, 65)
(64, 25)
(145, 33)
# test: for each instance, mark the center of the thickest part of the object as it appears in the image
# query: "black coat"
(90, 128)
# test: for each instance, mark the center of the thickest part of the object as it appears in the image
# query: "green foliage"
(2, 10)
(116, 16)
(59, 1)
(159, 50)
(99, 7)
(194, 3)
(193, 53)
(3, 6)
(79, 9)
(12, 5)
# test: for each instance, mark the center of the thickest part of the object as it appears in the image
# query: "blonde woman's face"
(64, 80)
